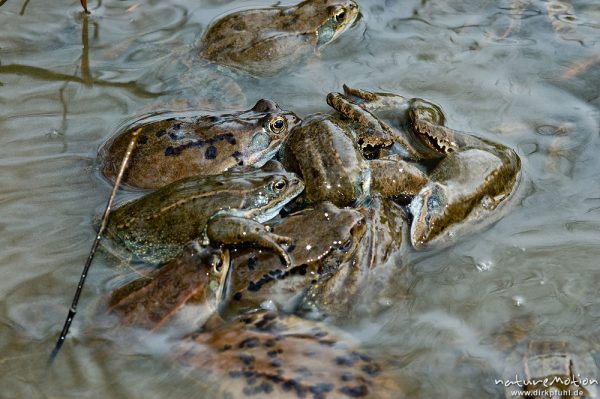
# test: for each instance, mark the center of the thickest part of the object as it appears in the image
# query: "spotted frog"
(223, 209)
(265, 41)
(234, 281)
(263, 354)
(275, 355)
(470, 179)
(172, 147)
(364, 284)
(324, 237)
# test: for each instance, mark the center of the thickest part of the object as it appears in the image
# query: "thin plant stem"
(88, 263)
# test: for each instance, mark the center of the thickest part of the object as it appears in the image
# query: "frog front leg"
(233, 230)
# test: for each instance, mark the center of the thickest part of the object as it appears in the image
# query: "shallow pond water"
(509, 71)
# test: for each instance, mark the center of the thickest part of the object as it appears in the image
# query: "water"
(67, 82)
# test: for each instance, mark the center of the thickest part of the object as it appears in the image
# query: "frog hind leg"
(235, 230)
(393, 177)
(465, 193)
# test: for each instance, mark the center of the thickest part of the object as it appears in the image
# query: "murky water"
(508, 71)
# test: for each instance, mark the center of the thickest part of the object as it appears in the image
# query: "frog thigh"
(392, 176)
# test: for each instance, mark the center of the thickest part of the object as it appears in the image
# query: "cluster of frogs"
(259, 218)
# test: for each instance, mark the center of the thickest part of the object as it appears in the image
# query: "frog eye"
(279, 185)
(217, 267)
(346, 245)
(340, 16)
(277, 124)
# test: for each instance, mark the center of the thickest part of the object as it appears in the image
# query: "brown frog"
(175, 146)
(469, 178)
(274, 355)
(326, 152)
(265, 41)
(241, 280)
(223, 209)
(324, 237)
(363, 284)
(264, 354)
(197, 275)
(561, 367)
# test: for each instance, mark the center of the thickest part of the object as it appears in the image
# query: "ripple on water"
(56, 113)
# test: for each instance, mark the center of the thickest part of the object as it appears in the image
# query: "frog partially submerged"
(262, 353)
(223, 209)
(257, 278)
(197, 275)
(175, 146)
(469, 178)
(550, 366)
(361, 285)
(265, 41)
(328, 153)
(274, 355)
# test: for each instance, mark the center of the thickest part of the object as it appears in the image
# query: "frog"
(173, 146)
(243, 279)
(226, 209)
(257, 278)
(196, 276)
(562, 367)
(560, 13)
(326, 152)
(265, 41)
(469, 179)
(363, 285)
(268, 354)
(263, 353)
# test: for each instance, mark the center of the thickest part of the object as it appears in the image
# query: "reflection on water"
(524, 73)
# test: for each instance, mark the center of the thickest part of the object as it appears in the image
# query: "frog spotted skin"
(258, 277)
(224, 209)
(269, 355)
(361, 284)
(178, 147)
(265, 41)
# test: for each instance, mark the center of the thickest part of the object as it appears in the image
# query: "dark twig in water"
(45, 74)
(24, 7)
(86, 268)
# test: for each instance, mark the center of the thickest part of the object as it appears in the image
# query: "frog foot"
(376, 101)
(233, 230)
(436, 137)
(374, 133)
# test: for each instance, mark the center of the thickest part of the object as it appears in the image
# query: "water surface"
(506, 71)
